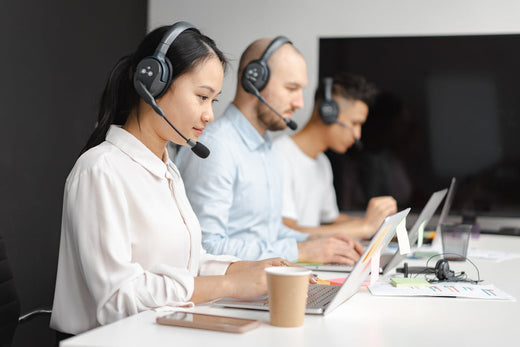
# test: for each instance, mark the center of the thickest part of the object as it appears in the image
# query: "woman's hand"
(248, 278)
(243, 280)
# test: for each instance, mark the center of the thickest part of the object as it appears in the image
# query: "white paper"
(402, 237)
(420, 234)
(374, 266)
(450, 289)
(497, 256)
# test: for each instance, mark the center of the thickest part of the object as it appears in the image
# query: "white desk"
(364, 320)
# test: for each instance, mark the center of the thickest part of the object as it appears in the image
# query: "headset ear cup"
(149, 71)
(256, 72)
(168, 82)
(329, 111)
(442, 270)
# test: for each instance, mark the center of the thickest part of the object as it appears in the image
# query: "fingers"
(340, 249)
(278, 262)
(383, 205)
(339, 259)
(377, 210)
(358, 248)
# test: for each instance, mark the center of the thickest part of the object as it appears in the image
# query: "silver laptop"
(390, 261)
(385, 258)
(425, 216)
(437, 243)
(322, 299)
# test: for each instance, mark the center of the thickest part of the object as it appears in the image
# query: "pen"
(320, 281)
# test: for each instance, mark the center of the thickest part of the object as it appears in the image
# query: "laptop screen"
(362, 268)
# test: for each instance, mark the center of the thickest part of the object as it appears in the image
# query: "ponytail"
(117, 101)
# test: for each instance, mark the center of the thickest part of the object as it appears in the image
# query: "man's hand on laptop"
(378, 209)
(338, 249)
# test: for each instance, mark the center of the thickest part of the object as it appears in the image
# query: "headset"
(257, 72)
(152, 78)
(328, 108)
(441, 271)
(256, 75)
(155, 71)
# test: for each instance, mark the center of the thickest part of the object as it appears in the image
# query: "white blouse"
(129, 238)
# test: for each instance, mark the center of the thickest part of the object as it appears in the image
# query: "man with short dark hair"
(309, 201)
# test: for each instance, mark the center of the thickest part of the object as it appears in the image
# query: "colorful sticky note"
(401, 282)
(323, 282)
(402, 237)
(337, 281)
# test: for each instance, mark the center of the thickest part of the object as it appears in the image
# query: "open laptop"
(322, 299)
(437, 243)
(389, 261)
(424, 217)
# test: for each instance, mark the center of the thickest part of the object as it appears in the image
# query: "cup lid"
(287, 270)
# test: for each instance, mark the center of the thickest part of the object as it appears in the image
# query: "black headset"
(328, 109)
(152, 78)
(154, 71)
(257, 72)
(443, 272)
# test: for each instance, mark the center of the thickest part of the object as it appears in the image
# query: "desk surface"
(364, 320)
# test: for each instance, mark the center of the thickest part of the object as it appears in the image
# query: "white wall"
(233, 24)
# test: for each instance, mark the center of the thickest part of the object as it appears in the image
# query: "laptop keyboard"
(320, 296)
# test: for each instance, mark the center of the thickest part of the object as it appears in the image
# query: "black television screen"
(449, 106)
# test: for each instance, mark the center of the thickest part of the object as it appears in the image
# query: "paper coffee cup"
(287, 290)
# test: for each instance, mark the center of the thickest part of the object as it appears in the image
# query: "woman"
(130, 240)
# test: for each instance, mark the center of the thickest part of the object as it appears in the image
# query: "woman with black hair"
(130, 241)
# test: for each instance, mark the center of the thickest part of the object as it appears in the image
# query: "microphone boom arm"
(197, 147)
(289, 122)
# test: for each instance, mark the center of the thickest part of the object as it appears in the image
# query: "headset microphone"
(153, 77)
(198, 148)
(357, 142)
(256, 76)
(252, 89)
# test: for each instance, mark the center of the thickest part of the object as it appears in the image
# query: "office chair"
(10, 302)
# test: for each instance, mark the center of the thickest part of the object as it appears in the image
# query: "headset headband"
(327, 84)
(168, 38)
(273, 46)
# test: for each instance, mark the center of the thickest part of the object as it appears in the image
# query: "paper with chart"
(446, 289)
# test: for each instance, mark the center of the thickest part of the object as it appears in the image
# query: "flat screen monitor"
(448, 106)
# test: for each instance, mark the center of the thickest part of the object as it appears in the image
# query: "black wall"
(55, 57)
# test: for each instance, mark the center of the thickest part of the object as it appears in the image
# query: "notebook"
(322, 299)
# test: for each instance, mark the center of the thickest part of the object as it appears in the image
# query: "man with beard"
(236, 191)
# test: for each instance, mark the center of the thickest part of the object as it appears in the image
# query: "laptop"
(322, 299)
(437, 243)
(424, 217)
(389, 261)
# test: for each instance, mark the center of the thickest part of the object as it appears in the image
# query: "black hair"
(350, 87)
(119, 97)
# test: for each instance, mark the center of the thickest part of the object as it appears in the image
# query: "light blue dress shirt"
(236, 192)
